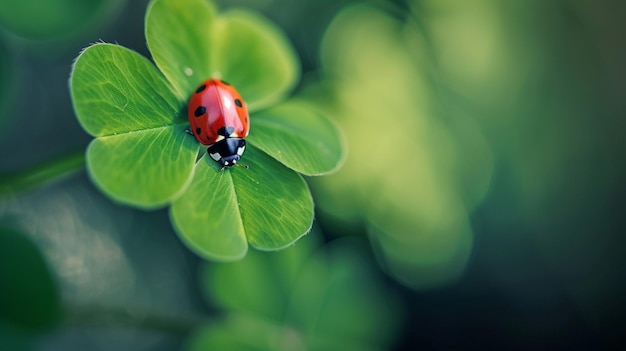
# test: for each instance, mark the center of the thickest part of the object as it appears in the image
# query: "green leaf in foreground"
(178, 35)
(161, 160)
(256, 57)
(142, 156)
(116, 90)
(190, 43)
(267, 204)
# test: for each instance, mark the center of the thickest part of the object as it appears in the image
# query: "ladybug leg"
(188, 131)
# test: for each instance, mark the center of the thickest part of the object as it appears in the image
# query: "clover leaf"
(329, 298)
(141, 155)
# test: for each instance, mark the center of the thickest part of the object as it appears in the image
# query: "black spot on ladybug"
(238, 102)
(201, 88)
(199, 111)
(224, 82)
(198, 131)
(226, 131)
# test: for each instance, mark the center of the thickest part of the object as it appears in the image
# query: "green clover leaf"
(328, 298)
(142, 156)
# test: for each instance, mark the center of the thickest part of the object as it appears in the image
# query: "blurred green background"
(485, 173)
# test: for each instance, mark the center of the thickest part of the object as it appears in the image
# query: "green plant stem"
(132, 318)
(47, 172)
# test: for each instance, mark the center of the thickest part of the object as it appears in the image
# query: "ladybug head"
(227, 152)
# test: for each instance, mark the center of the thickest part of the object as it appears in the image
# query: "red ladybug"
(218, 117)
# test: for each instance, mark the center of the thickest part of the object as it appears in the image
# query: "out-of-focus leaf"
(421, 168)
(53, 19)
(244, 333)
(296, 300)
(260, 285)
(29, 297)
(338, 303)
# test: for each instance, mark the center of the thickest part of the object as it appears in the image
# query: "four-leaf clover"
(142, 156)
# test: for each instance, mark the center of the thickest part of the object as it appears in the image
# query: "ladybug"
(218, 117)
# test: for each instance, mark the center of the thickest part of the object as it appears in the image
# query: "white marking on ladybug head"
(240, 150)
(215, 156)
(220, 138)
(188, 71)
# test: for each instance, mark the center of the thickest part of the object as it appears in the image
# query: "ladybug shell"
(216, 111)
